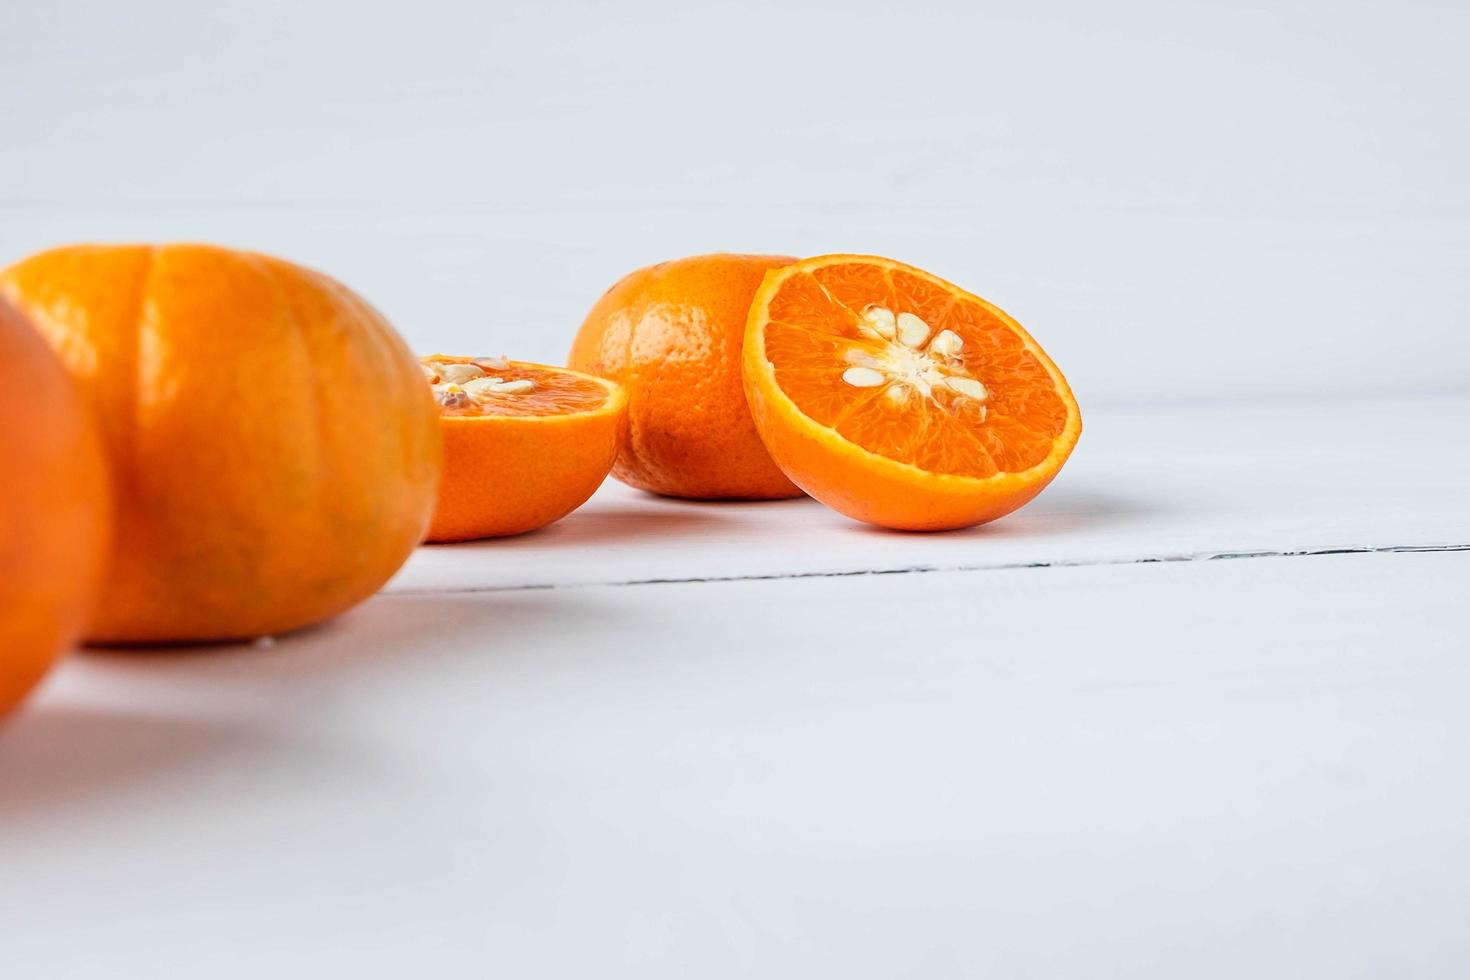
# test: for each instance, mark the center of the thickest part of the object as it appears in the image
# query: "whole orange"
(274, 448)
(671, 335)
(54, 504)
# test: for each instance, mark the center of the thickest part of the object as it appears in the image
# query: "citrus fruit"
(55, 506)
(670, 334)
(273, 446)
(524, 444)
(899, 399)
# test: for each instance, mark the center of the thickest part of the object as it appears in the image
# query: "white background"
(1180, 199)
(662, 739)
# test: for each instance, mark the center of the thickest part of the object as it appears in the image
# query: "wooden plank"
(1185, 482)
(1217, 769)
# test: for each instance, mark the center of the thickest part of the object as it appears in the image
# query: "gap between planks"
(1203, 556)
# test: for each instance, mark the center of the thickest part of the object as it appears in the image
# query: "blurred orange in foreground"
(274, 449)
(670, 335)
(54, 504)
(524, 444)
(900, 399)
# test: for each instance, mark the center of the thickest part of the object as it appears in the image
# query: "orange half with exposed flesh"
(524, 444)
(900, 399)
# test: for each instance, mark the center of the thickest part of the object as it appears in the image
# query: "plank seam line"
(1182, 557)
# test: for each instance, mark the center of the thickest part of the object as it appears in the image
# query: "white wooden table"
(1200, 711)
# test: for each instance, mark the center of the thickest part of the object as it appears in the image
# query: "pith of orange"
(274, 449)
(54, 509)
(670, 334)
(900, 399)
(524, 444)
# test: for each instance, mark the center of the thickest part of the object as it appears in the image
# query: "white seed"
(912, 331)
(460, 373)
(480, 386)
(518, 387)
(858, 357)
(452, 396)
(946, 343)
(493, 363)
(967, 386)
(861, 377)
(878, 320)
(897, 393)
(430, 374)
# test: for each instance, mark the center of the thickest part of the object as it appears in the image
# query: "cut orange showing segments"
(524, 444)
(899, 399)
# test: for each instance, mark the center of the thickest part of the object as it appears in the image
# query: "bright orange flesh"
(920, 458)
(518, 461)
(670, 334)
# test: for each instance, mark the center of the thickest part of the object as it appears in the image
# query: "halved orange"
(524, 444)
(900, 399)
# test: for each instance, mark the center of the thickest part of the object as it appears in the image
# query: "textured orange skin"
(274, 450)
(671, 335)
(55, 505)
(872, 488)
(508, 475)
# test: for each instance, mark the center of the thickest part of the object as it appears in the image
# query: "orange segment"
(524, 444)
(900, 399)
